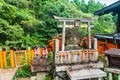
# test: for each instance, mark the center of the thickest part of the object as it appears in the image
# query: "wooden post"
(110, 76)
(61, 59)
(32, 51)
(56, 45)
(89, 36)
(107, 62)
(1, 59)
(29, 55)
(41, 52)
(68, 55)
(72, 57)
(118, 77)
(95, 43)
(4, 59)
(12, 59)
(58, 59)
(63, 36)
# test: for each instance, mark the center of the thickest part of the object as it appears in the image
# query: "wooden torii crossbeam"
(76, 22)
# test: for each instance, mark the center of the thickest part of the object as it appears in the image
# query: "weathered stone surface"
(8, 74)
(40, 65)
(113, 70)
(79, 66)
(72, 47)
(33, 78)
(72, 36)
(41, 75)
(85, 74)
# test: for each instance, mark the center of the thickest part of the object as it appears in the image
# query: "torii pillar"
(63, 36)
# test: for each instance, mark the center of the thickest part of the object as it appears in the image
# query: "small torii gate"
(112, 55)
(65, 60)
(77, 23)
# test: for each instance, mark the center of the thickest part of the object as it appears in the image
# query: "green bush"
(48, 77)
(51, 71)
(24, 71)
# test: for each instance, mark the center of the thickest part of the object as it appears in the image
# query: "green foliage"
(89, 7)
(49, 76)
(31, 22)
(104, 24)
(24, 71)
(51, 59)
(9, 32)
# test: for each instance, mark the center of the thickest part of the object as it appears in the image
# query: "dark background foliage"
(31, 22)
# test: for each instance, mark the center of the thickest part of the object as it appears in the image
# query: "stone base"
(86, 74)
(79, 66)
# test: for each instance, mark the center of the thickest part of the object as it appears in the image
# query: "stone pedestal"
(86, 74)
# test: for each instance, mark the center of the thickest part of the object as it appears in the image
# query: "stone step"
(33, 78)
(41, 75)
(86, 74)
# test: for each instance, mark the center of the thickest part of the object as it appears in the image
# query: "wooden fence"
(11, 58)
(4, 58)
(76, 56)
(104, 45)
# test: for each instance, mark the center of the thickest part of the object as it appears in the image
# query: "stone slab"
(41, 75)
(113, 70)
(8, 74)
(22, 78)
(85, 74)
(79, 66)
(33, 78)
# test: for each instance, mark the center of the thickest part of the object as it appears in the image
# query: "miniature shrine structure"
(76, 61)
(112, 41)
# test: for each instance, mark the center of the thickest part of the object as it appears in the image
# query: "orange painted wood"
(68, 57)
(72, 56)
(1, 60)
(29, 56)
(102, 46)
(111, 45)
(20, 57)
(60, 44)
(82, 58)
(12, 59)
(94, 55)
(4, 59)
(41, 50)
(52, 45)
(86, 52)
(32, 52)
